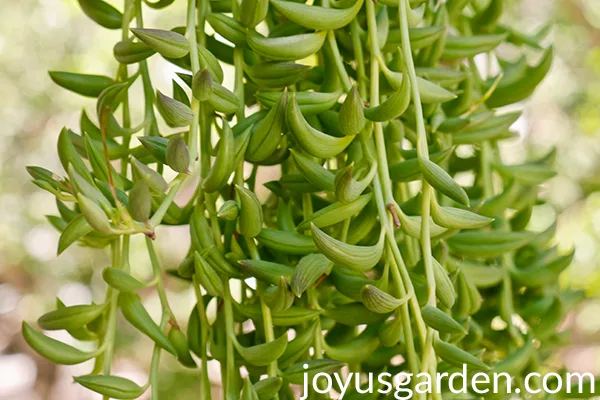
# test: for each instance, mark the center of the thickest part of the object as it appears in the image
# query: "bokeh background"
(41, 35)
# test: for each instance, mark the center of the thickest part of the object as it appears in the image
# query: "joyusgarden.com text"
(401, 387)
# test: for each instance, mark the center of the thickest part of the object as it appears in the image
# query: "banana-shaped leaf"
(348, 189)
(287, 242)
(292, 316)
(354, 314)
(111, 386)
(358, 258)
(265, 139)
(457, 218)
(430, 92)
(379, 301)
(287, 48)
(168, 43)
(488, 244)
(483, 276)
(469, 46)
(72, 317)
(297, 347)
(267, 271)
(223, 165)
(393, 107)
(440, 321)
(102, 13)
(316, 17)
(262, 354)
(310, 102)
(54, 350)
(542, 273)
(315, 142)
(313, 171)
(85, 85)
(520, 89)
(367, 342)
(456, 356)
(309, 269)
(280, 297)
(75, 230)
(251, 215)
(136, 314)
(276, 74)
(268, 387)
(334, 213)
(121, 280)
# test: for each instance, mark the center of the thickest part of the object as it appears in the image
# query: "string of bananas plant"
(366, 248)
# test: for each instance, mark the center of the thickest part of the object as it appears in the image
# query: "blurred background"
(41, 35)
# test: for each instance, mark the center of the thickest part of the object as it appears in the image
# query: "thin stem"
(486, 169)
(108, 341)
(344, 230)
(412, 75)
(155, 363)
(125, 266)
(160, 213)
(210, 204)
(383, 188)
(265, 310)
(374, 101)
(160, 286)
(423, 154)
(205, 381)
(195, 104)
(111, 184)
(128, 8)
(507, 261)
(152, 127)
(238, 63)
(398, 280)
(361, 76)
(426, 243)
(339, 63)
(229, 327)
(314, 303)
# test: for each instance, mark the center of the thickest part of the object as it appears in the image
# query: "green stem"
(229, 327)
(422, 153)
(238, 64)
(382, 163)
(108, 341)
(486, 169)
(265, 310)
(195, 104)
(127, 7)
(125, 266)
(203, 8)
(339, 63)
(314, 303)
(411, 356)
(345, 229)
(422, 149)
(361, 76)
(507, 260)
(426, 243)
(160, 286)
(307, 206)
(156, 219)
(204, 379)
(152, 127)
(155, 363)
(210, 201)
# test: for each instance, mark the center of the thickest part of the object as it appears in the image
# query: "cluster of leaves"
(439, 273)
